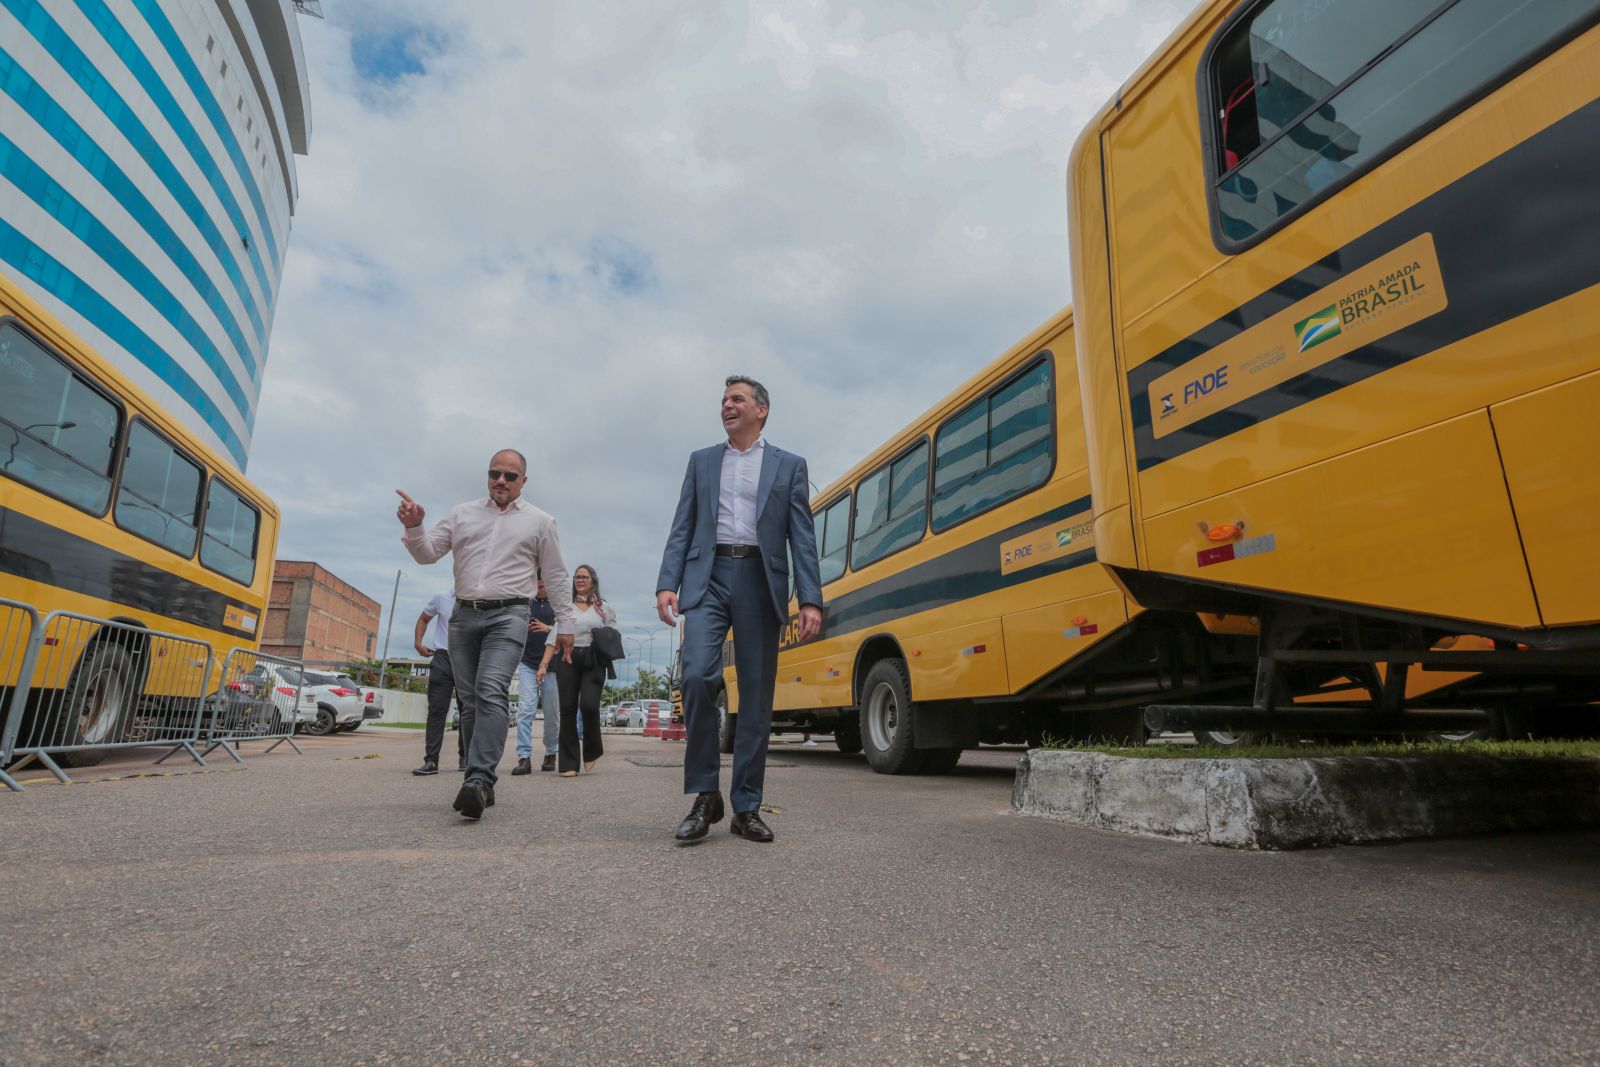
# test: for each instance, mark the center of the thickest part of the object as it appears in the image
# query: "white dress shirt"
(736, 504)
(499, 554)
(586, 618)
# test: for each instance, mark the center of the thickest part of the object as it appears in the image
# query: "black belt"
(485, 605)
(738, 551)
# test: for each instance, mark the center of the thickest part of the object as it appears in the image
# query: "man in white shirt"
(441, 680)
(501, 545)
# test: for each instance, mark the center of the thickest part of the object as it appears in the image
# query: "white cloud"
(570, 221)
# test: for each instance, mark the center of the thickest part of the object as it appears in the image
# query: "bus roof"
(952, 402)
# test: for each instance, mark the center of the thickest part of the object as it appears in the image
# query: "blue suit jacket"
(783, 520)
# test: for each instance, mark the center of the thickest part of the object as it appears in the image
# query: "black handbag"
(607, 643)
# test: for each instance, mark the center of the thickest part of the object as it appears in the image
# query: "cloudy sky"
(558, 226)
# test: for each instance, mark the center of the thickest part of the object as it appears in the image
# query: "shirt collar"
(516, 505)
(761, 442)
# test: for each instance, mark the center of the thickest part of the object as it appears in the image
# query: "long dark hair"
(594, 583)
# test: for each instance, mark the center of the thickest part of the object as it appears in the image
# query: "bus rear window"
(1309, 93)
(229, 544)
(159, 498)
(57, 433)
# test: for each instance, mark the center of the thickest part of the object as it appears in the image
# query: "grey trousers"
(737, 596)
(485, 648)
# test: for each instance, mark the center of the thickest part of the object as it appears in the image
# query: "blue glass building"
(147, 182)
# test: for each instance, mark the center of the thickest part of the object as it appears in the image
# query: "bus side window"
(1307, 92)
(229, 544)
(999, 448)
(56, 432)
(833, 538)
(159, 496)
(891, 507)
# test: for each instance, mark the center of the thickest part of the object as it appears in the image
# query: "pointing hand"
(409, 512)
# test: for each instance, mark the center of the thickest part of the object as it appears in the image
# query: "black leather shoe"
(428, 767)
(549, 763)
(474, 797)
(461, 767)
(524, 766)
(707, 809)
(748, 825)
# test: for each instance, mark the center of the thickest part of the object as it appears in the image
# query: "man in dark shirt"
(541, 620)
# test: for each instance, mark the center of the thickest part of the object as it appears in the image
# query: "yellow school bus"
(964, 603)
(1338, 327)
(110, 509)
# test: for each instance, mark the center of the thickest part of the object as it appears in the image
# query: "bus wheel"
(886, 720)
(847, 735)
(1228, 739)
(325, 723)
(726, 724)
(940, 760)
(97, 702)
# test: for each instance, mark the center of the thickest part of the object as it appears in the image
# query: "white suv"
(338, 703)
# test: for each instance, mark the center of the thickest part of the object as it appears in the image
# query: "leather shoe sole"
(473, 798)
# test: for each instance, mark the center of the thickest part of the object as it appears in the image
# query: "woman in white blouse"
(581, 681)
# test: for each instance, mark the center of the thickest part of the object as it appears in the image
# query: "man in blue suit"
(744, 513)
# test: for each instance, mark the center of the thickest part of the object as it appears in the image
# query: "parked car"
(621, 713)
(264, 699)
(371, 700)
(338, 700)
(646, 711)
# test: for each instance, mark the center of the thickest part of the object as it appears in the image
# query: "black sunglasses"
(506, 476)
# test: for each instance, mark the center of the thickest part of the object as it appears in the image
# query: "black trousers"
(441, 683)
(580, 684)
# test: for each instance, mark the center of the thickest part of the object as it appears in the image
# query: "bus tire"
(727, 725)
(1228, 739)
(847, 735)
(886, 720)
(98, 701)
(325, 723)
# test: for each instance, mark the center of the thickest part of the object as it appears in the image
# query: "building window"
(1307, 94)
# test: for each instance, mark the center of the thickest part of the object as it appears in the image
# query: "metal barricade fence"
(19, 647)
(259, 700)
(99, 685)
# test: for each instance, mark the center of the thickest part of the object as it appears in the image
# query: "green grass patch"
(1533, 749)
(400, 725)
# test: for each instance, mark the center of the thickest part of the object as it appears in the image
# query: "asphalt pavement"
(331, 908)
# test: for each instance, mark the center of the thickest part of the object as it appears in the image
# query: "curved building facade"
(147, 182)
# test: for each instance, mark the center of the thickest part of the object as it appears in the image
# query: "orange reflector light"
(1080, 620)
(1224, 531)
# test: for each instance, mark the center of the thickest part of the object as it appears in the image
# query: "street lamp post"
(383, 666)
(638, 647)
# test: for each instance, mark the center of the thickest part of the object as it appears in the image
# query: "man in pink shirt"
(501, 545)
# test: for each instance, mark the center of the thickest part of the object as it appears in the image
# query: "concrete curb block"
(1305, 803)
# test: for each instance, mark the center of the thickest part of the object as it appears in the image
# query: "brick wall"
(315, 616)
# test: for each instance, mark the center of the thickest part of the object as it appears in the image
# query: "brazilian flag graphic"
(1323, 326)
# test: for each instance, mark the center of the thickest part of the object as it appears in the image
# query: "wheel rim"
(102, 705)
(883, 716)
(1224, 738)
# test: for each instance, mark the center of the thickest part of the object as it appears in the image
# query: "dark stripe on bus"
(49, 555)
(960, 574)
(1512, 236)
